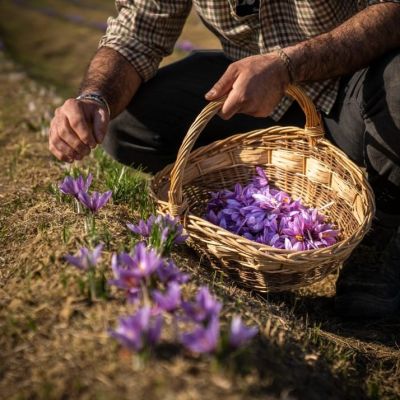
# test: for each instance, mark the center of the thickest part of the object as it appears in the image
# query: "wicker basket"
(298, 161)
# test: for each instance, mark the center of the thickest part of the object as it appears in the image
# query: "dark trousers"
(364, 123)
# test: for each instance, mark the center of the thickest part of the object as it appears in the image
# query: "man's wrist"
(288, 64)
(97, 98)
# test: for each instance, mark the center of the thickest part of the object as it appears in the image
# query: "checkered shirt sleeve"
(145, 31)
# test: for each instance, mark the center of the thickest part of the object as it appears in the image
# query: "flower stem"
(78, 206)
(92, 284)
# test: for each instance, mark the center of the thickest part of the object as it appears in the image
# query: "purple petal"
(239, 333)
(170, 300)
(202, 340)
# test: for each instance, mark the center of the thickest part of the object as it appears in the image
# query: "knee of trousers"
(381, 108)
(391, 80)
(382, 88)
(124, 149)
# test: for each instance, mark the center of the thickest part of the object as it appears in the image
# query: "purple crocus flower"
(170, 301)
(125, 279)
(204, 308)
(95, 201)
(86, 258)
(203, 339)
(143, 228)
(129, 269)
(261, 180)
(139, 330)
(326, 235)
(299, 236)
(172, 229)
(169, 272)
(74, 186)
(239, 334)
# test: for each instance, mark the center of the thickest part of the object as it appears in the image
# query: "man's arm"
(114, 77)
(135, 42)
(256, 84)
(348, 48)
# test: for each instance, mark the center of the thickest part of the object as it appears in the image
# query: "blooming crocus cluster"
(204, 312)
(78, 188)
(146, 270)
(270, 216)
(142, 270)
(132, 271)
(162, 232)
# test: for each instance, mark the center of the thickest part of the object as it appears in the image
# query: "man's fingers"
(224, 85)
(61, 149)
(231, 106)
(78, 123)
(100, 122)
(66, 133)
(237, 100)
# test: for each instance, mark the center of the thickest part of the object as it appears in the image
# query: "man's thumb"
(100, 122)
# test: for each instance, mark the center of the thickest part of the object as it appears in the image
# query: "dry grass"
(54, 344)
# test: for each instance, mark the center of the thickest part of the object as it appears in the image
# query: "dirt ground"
(54, 344)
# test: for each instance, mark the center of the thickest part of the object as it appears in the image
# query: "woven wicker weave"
(298, 161)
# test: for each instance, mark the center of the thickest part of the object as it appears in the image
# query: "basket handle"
(313, 129)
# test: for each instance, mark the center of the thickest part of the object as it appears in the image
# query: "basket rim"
(291, 133)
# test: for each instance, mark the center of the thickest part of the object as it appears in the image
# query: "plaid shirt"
(145, 31)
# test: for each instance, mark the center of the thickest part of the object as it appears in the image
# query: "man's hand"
(254, 85)
(77, 127)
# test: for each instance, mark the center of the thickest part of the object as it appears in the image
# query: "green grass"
(129, 186)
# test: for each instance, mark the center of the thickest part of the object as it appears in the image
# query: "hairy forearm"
(349, 47)
(114, 77)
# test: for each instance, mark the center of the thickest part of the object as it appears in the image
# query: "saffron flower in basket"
(270, 216)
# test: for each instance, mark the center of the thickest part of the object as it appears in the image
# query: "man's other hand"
(77, 127)
(254, 86)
